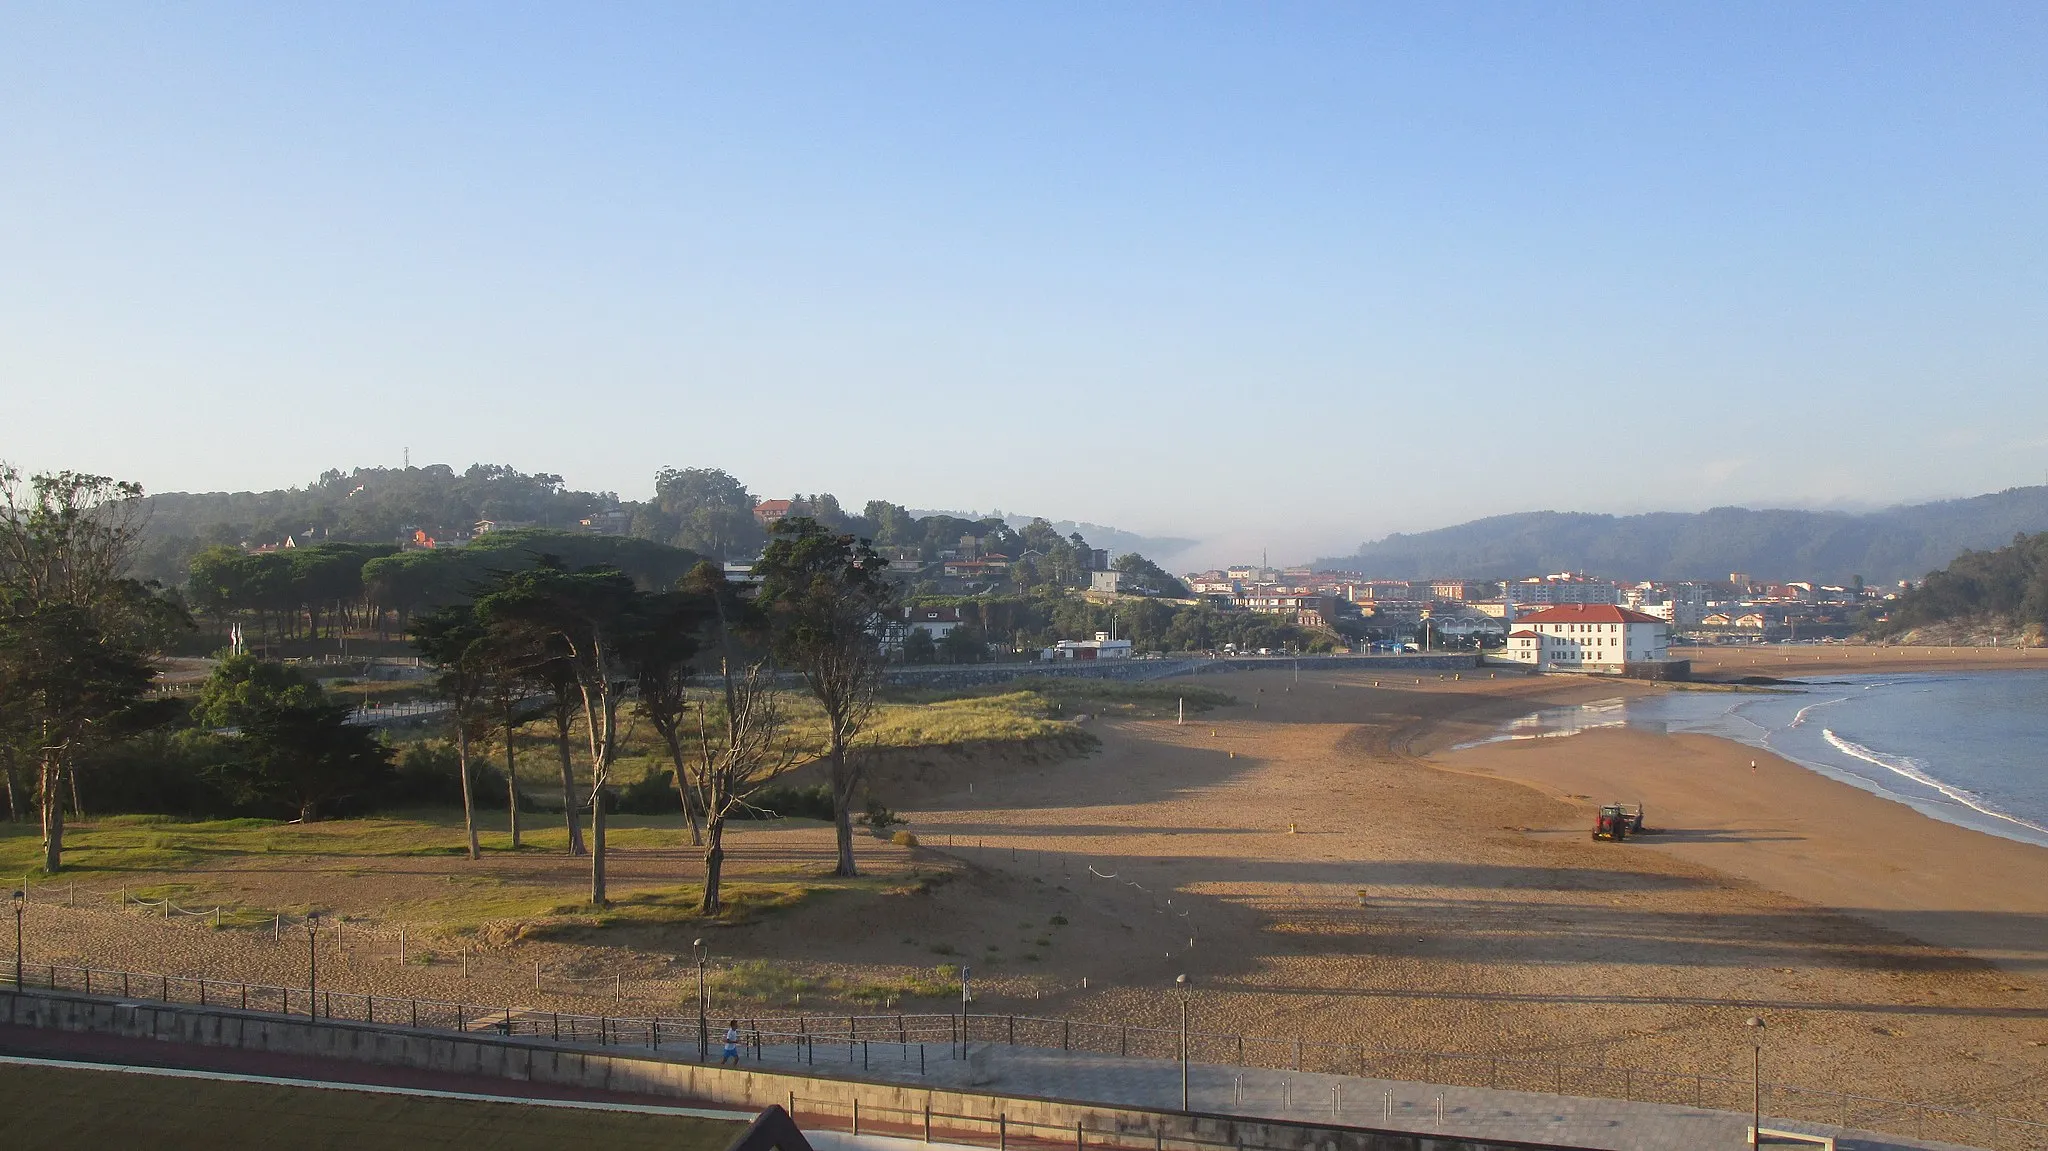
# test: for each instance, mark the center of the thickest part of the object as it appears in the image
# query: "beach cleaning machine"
(1618, 821)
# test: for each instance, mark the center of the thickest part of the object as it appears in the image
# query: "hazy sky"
(1282, 274)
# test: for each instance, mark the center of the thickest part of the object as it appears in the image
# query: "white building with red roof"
(1588, 637)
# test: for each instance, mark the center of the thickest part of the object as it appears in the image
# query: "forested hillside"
(367, 505)
(1897, 543)
(702, 510)
(2007, 587)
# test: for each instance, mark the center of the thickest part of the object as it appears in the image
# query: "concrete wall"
(642, 1073)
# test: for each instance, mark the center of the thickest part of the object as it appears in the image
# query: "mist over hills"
(1904, 542)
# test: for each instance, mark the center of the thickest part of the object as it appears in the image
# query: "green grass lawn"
(77, 1107)
(157, 858)
(115, 846)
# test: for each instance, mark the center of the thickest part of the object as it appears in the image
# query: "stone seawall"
(647, 1074)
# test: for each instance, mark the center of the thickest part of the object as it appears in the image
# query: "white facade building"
(1101, 647)
(1588, 637)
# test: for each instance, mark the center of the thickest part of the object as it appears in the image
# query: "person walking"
(732, 1044)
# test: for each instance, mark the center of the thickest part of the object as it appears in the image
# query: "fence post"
(927, 1112)
(1002, 1133)
(1013, 1031)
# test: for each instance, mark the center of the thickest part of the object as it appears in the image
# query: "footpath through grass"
(78, 1107)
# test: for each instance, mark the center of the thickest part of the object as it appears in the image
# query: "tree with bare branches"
(592, 614)
(751, 744)
(824, 595)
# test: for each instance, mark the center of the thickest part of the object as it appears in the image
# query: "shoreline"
(1796, 830)
(1984, 820)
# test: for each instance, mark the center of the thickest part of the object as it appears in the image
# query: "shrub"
(780, 801)
(878, 818)
(903, 839)
(652, 794)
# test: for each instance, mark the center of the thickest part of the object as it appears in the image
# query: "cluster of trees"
(2009, 583)
(590, 644)
(365, 505)
(287, 593)
(705, 511)
(76, 635)
(301, 591)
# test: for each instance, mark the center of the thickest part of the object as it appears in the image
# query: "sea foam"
(1912, 769)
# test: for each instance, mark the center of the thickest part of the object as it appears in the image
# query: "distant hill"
(1896, 543)
(703, 511)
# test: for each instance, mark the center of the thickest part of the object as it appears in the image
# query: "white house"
(1588, 637)
(1101, 647)
(937, 622)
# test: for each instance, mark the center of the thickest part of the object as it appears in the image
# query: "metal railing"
(906, 1043)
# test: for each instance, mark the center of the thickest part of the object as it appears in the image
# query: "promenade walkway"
(1602, 1124)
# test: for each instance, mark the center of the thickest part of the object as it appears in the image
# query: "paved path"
(1573, 1121)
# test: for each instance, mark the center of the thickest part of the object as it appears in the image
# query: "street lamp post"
(312, 965)
(966, 997)
(703, 1020)
(20, 902)
(1182, 982)
(1756, 1081)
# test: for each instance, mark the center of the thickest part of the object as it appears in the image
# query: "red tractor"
(1618, 821)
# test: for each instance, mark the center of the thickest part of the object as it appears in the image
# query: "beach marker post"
(1182, 980)
(1756, 1080)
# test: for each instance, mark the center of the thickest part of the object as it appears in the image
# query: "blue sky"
(1289, 275)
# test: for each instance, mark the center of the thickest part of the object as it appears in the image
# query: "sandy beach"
(1323, 866)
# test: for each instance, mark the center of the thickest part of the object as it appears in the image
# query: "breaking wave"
(1910, 769)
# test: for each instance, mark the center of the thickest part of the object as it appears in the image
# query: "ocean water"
(1967, 747)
